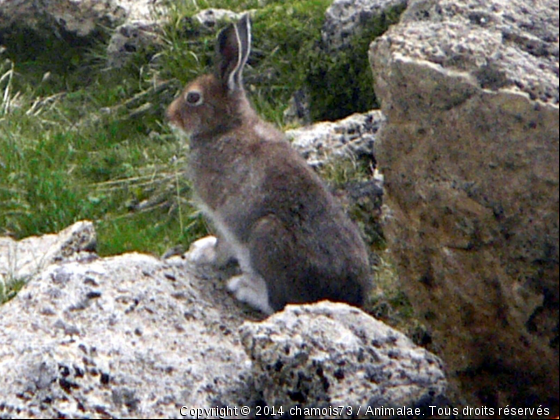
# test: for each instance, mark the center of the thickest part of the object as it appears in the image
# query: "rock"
(349, 141)
(136, 336)
(23, 259)
(470, 159)
(351, 137)
(209, 18)
(135, 22)
(331, 355)
(129, 38)
(141, 30)
(80, 17)
(123, 336)
(346, 19)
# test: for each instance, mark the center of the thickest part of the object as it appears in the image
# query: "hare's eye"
(194, 98)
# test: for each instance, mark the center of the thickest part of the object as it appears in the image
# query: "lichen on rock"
(332, 355)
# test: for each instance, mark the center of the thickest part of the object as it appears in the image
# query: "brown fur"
(263, 196)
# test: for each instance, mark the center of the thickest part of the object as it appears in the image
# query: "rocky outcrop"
(130, 37)
(349, 143)
(363, 364)
(133, 25)
(142, 30)
(28, 257)
(137, 336)
(470, 158)
(351, 137)
(124, 336)
(209, 18)
(346, 19)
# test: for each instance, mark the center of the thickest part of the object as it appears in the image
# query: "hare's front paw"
(203, 251)
(251, 290)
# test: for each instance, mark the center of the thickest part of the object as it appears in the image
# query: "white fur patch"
(263, 131)
(260, 131)
(248, 287)
(251, 290)
(238, 66)
(203, 251)
(238, 250)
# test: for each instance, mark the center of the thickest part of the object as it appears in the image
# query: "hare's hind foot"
(251, 290)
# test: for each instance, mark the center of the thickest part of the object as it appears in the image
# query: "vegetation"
(341, 83)
(8, 289)
(285, 33)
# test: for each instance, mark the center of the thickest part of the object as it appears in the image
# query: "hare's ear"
(232, 52)
(244, 31)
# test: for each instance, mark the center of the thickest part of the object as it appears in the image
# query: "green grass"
(76, 151)
(341, 83)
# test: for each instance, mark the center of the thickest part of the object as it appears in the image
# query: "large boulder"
(24, 259)
(125, 336)
(138, 336)
(470, 158)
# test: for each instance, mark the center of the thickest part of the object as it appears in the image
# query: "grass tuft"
(10, 288)
(95, 147)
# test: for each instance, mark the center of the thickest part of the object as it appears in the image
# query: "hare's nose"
(168, 115)
(171, 114)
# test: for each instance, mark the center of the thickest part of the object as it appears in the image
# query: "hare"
(293, 242)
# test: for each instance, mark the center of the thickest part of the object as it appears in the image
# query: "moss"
(389, 304)
(340, 83)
